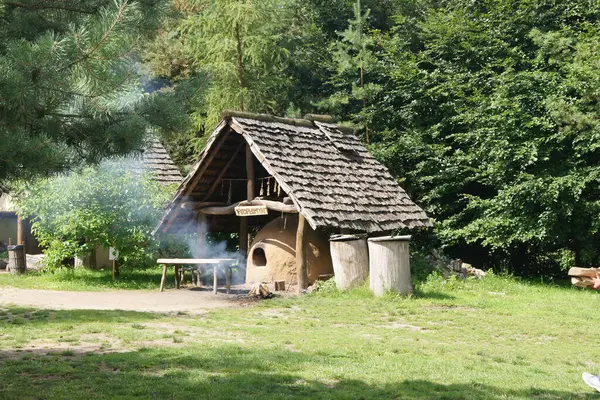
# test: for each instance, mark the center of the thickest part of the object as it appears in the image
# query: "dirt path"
(191, 301)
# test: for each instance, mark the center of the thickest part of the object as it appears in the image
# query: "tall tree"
(354, 57)
(237, 43)
(491, 115)
(69, 83)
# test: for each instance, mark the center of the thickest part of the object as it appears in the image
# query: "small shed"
(257, 168)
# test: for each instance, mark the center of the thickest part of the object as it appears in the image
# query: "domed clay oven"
(272, 255)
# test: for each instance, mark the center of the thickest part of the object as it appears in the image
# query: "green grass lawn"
(493, 339)
(82, 279)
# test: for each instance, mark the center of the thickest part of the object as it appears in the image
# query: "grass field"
(82, 279)
(493, 339)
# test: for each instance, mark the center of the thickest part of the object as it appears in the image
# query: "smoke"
(202, 243)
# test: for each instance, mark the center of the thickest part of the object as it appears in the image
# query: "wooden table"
(217, 263)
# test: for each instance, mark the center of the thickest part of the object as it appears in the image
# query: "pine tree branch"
(36, 7)
(103, 38)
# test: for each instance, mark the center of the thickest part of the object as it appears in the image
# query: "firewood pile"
(457, 267)
(261, 291)
(584, 277)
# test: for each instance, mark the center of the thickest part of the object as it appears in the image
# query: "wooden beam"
(301, 270)
(230, 209)
(223, 172)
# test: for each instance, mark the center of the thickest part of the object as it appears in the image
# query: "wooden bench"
(222, 263)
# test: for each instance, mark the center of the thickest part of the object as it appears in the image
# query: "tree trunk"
(240, 64)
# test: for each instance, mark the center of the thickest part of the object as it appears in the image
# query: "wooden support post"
(244, 237)
(250, 196)
(250, 172)
(215, 278)
(20, 234)
(163, 278)
(301, 254)
(228, 279)
(198, 276)
(115, 269)
(177, 277)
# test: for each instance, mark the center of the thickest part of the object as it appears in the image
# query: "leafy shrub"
(108, 206)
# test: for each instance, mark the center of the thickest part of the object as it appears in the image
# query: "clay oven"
(272, 255)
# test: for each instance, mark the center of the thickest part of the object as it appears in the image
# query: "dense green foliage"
(106, 206)
(69, 83)
(487, 112)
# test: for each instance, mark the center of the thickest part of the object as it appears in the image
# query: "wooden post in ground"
(163, 278)
(301, 254)
(228, 279)
(20, 234)
(215, 278)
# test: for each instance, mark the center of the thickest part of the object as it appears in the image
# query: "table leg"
(228, 279)
(163, 278)
(215, 278)
(199, 276)
(177, 277)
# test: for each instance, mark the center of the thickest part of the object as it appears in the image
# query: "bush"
(108, 206)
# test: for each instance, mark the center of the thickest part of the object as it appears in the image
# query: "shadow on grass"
(36, 317)
(428, 294)
(222, 372)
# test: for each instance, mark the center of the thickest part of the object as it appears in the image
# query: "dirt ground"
(193, 301)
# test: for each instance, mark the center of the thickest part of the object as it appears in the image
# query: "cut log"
(584, 277)
(350, 258)
(389, 265)
(589, 272)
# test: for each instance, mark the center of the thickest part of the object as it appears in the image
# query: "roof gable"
(331, 178)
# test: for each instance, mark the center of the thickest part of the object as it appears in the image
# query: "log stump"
(17, 263)
(350, 258)
(389, 265)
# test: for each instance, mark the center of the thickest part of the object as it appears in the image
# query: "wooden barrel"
(350, 258)
(389, 265)
(16, 259)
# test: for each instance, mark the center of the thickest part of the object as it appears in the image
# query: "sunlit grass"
(499, 338)
(82, 279)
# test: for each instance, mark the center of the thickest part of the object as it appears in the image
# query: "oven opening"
(259, 259)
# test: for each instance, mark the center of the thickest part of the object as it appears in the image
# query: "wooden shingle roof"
(329, 175)
(156, 160)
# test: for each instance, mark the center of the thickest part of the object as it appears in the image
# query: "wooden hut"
(258, 168)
